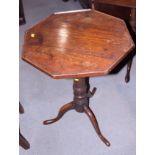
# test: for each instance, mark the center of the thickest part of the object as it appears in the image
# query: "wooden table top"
(125, 3)
(77, 44)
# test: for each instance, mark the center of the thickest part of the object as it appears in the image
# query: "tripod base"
(80, 104)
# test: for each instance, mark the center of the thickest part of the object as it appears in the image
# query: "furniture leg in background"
(22, 141)
(21, 13)
(133, 26)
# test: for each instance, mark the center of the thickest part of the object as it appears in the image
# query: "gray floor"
(42, 96)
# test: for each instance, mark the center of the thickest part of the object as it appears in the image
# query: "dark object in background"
(22, 141)
(21, 13)
(124, 9)
(67, 0)
(85, 4)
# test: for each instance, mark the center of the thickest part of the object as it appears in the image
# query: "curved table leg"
(62, 111)
(93, 120)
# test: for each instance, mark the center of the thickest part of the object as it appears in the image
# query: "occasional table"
(78, 44)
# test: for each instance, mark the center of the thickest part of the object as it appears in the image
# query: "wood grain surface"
(77, 44)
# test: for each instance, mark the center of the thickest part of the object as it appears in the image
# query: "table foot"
(94, 122)
(62, 111)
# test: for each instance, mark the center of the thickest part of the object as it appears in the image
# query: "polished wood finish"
(80, 103)
(77, 44)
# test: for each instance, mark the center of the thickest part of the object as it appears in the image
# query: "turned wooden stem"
(80, 89)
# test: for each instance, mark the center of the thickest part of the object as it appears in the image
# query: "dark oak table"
(78, 44)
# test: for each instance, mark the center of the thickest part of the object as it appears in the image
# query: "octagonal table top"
(77, 44)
